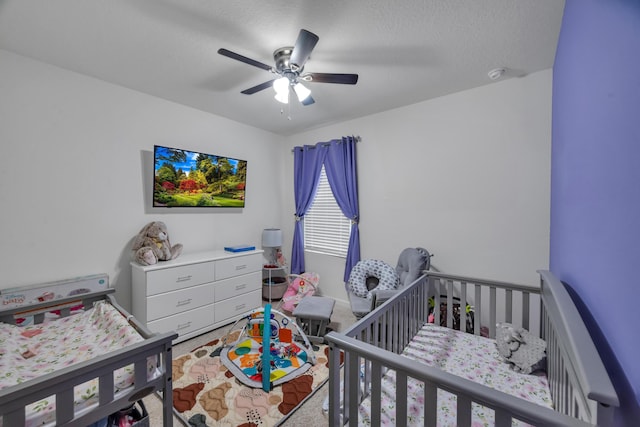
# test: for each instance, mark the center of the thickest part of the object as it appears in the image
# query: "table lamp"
(272, 239)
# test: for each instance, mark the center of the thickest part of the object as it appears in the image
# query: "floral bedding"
(468, 356)
(32, 351)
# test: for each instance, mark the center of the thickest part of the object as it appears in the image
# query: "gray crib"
(580, 388)
(61, 383)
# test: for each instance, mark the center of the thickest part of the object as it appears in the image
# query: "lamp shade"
(281, 85)
(271, 237)
(302, 92)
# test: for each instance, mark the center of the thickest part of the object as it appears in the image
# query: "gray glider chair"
(372, 282)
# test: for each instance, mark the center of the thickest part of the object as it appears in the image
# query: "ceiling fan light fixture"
(281, 85)
(289, 69)
(282, 97)
(302, 92)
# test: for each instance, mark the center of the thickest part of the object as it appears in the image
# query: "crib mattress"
(468, 356)
(32, 351)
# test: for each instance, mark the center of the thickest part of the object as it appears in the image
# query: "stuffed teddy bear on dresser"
(152, 245)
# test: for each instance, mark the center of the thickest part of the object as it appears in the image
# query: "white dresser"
(197, 292)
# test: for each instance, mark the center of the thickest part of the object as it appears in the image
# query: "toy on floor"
(305, 284)
(288, 355)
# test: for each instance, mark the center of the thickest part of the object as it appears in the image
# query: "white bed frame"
(581, 390)
(13, 400)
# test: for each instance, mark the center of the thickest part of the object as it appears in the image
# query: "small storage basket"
(278, 287)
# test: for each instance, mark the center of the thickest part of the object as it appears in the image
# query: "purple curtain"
(340, 165)
(339, 159)
(307, 163)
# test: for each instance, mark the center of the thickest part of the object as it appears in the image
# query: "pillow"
(524, 351)
(359, 284)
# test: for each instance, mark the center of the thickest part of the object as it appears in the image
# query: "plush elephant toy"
(152, 245)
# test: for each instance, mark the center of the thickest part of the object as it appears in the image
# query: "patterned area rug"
(206, 393)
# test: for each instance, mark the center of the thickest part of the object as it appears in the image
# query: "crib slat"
(105, 390)
(64, 406)
(463, 306)
(436, 306)
(334, 385)
(430, 404)
(366, 365)
(396, 321)
(525, 310)
(403, 325)
(449, 303)
(15, 418)
(384, 328)
(352, 384)
(503, 419)
(508, 306)
(463, 411)
(478, 310)
(401, 399)
(492, 312)
(140, 373)
(376, 392)
(376, 333)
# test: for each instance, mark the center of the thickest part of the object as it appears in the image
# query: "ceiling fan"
(289, 67)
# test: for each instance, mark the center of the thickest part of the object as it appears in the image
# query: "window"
(326, 229)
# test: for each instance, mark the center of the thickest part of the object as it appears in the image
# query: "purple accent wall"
(595, 181)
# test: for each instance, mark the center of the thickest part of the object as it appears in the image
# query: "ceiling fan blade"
(238, 57)
(345, 79)
(304, 45)
(258, 88)
(308, 100)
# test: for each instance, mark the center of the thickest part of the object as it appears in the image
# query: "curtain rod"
(357, 138)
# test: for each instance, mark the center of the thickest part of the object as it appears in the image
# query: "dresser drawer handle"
(184, 325)
(183, 302)
(240, 307)
(239, 287)
(183, 279)
(241, 267)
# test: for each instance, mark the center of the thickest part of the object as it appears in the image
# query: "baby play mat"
(288, 361)
(267, 352)
(206, 392)
(254, 376)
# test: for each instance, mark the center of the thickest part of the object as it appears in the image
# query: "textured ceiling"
(404, 51)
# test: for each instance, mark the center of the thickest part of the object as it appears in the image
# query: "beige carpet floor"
(309, 414)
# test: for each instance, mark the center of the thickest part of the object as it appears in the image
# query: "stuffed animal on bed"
(152, 245)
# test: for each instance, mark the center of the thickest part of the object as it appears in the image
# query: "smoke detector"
(496, 73)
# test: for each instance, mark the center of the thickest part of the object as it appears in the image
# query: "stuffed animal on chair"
(152, 245)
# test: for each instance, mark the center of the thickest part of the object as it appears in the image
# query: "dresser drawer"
(237, 306)
(174, 302)
(235, 286)
(171, 279)
(235, 266)
(185, 322)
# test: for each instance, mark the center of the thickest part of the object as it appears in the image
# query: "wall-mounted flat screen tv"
(184, 178)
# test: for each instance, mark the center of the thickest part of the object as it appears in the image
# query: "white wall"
(76, 156)
(466, 176)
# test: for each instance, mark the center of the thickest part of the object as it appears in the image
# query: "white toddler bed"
(77, 366)
(401, 370)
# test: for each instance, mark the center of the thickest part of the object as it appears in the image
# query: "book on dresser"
(196, 293)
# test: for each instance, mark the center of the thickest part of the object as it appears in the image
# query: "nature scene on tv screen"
(189, 179)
